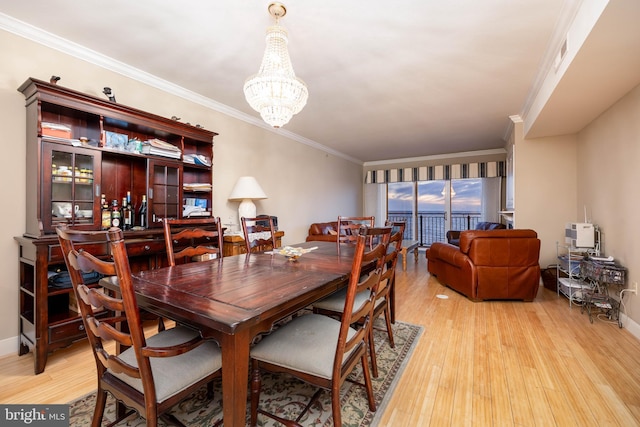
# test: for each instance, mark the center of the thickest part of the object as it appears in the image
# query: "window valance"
(438, 172)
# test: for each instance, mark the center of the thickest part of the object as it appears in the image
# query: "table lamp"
(247, 190)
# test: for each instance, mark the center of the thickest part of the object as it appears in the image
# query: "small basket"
(550, 277)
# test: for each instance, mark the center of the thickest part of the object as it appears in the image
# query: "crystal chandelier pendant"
(275, 92)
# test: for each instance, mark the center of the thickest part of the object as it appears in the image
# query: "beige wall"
(545, 188)
(608, 176)
(304, 184)
(557, 177)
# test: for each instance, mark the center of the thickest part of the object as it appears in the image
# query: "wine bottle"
(126, 218)
(130, 211)
(116, 215)
(105, 213)
(143, 212)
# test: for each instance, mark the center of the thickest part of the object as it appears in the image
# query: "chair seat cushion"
(307, 344)
(335, 301)
(173, 374)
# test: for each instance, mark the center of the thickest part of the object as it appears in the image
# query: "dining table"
(236, 298)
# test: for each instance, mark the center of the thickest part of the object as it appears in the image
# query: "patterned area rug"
(287, 396)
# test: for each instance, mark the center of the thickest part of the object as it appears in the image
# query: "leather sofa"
(453, 236)
(323, 231)
(489, 264)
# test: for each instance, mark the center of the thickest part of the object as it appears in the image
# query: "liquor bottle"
(116, 215)
(105, 213)
(130, 211)
(143, 212)
(126, 218)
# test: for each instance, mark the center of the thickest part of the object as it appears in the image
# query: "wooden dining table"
(234, 299)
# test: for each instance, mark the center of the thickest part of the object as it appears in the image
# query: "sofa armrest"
(453, 237)
(448, 253)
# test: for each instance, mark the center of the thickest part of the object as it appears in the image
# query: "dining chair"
(259, 234)
(348, 227)
(152, 374)
(334, 304)
(397, 230)
(192, 239)
(321, 350)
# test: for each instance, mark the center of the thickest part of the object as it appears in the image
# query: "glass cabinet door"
(165, 200)
(71, 194)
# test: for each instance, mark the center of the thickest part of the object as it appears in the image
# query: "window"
(430, 208)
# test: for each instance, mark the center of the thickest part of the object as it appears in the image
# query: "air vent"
(561, 53)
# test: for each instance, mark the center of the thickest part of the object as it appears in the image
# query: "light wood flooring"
(476, 364)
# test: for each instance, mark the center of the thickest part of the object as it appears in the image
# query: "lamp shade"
(247, 187)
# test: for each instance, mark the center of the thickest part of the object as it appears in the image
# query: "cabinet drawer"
(71, 330)
(145, 247)
(97, 249)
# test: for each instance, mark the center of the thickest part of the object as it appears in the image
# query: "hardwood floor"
(476, 364)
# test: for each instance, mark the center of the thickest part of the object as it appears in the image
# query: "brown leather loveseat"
(492, 264)
(323, 231)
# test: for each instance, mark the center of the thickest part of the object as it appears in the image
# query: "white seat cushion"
(335, 301)
(174, 374)
(307, 344)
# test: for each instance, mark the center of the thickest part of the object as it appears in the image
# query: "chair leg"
(256, 384)
(210, 390)
(372, 353)
(335, 403)
(387, 318)
(367, 383)
(101, 401)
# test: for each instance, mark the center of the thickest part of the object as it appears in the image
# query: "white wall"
(304, 184)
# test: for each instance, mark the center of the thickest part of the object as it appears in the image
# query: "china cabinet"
(79, 148)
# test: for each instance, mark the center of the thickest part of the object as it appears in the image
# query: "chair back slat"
(190, 239)
(259, 234)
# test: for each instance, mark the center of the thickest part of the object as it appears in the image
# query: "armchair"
(496, 264)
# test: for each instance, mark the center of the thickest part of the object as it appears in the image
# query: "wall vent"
(561, 54)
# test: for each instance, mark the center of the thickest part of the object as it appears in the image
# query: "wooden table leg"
(403, 251)
(235, 377)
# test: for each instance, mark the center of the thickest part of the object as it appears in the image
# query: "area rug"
(287, 396)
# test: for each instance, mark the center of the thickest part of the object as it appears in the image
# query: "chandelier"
(275, 92)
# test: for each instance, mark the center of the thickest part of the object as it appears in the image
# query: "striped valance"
(438, 172)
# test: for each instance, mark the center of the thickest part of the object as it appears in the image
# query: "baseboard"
(9, 346)
(630, 325)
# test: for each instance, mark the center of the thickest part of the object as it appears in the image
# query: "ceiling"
(387, 80)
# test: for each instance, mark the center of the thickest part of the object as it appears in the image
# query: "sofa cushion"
(325, 228)
(323, 231)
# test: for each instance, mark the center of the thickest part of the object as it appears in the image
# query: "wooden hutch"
(78, 148)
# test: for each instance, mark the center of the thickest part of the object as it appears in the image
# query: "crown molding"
(68, 47)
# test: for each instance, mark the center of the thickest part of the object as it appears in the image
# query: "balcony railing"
(431, 225)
